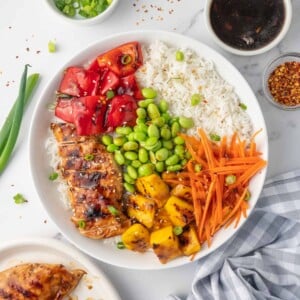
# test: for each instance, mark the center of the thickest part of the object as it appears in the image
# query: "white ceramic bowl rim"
(270, 67)
(84, 21)
(273, 43)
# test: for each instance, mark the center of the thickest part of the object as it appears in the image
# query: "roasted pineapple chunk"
(189, 243)
(142, 209)
(136, 238)
(154, 187)
(182, 191)
(180, 212)
(161, 219)
(165, 244)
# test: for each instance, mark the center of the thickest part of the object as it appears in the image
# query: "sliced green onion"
(243, 106)
(120, 245)
(196, 99)
(230, 179)
(110, 94)
(247, 196)
(81, 224)
(14, 128)
(198, 168)
(51, 46)
(126, 59)
(89, 156)
(113, 210)
(4, 133)
(177, 230)
(179, 55)
(53, 176)
(215, 137)
(19, 199)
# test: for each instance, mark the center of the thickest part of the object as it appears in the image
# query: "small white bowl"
(82, 21)
(287, 21)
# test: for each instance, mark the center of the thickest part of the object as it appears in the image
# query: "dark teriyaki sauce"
(247, 24)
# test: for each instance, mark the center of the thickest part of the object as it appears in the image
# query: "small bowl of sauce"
(246, 27)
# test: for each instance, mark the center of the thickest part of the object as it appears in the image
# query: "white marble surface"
(25, 29)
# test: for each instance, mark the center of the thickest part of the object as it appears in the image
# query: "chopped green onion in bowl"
(82, 8)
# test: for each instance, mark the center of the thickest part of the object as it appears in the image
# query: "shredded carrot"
(217, 203)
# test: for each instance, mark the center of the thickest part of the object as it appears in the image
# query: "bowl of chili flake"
(281, 81)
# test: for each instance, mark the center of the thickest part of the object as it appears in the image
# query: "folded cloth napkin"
(262, 261)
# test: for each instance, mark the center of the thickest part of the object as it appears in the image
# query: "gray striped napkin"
(262, 261)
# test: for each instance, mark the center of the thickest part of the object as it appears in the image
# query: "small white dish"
(82, 21)
(106, 250)
(94, 285)
(286, 25)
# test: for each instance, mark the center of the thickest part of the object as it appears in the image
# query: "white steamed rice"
(175, 81)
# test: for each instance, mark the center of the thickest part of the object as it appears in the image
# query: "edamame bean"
(140, 121)
(131, 155)
(151, 141)
(119, 140)
(186, 123)
(153, 131)
(175, 128)
(145, 170)
(152, 157)
(172, 160)
(149, 93)
(106, 139)
(174, 168)
(179, 55)
(128, 179)
(160, 122)
(162, 154)
(141, 113)
(123, 130)
(165, 133)
(129, 187)
(129, 146)
(163, 106)
(180, 151)
(112, 148)
(141, 127)
(119, 158)
(145, 103)
(132, 172)
(130, 137)
(178, 140)
(160, 166)
(136, 163)
(166, 116)
(143, 155)
(140, 136)
(153, 111)
(196, 99)
(168, 144)
(157, 146)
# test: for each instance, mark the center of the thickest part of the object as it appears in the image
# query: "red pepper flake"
(27, 49)
(38, 51)
(284, 83)
(17, 56)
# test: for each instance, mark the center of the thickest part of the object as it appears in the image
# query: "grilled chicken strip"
(38, 282)
(94, 181)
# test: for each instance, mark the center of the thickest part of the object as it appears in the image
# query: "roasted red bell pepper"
(79, 82)
(122, 60)
(121, 111)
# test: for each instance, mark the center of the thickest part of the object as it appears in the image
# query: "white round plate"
(39, 160)
(94, 285)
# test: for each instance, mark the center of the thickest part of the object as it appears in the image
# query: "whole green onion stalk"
(11, 127)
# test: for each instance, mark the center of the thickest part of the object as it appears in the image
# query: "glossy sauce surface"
(247, 24)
